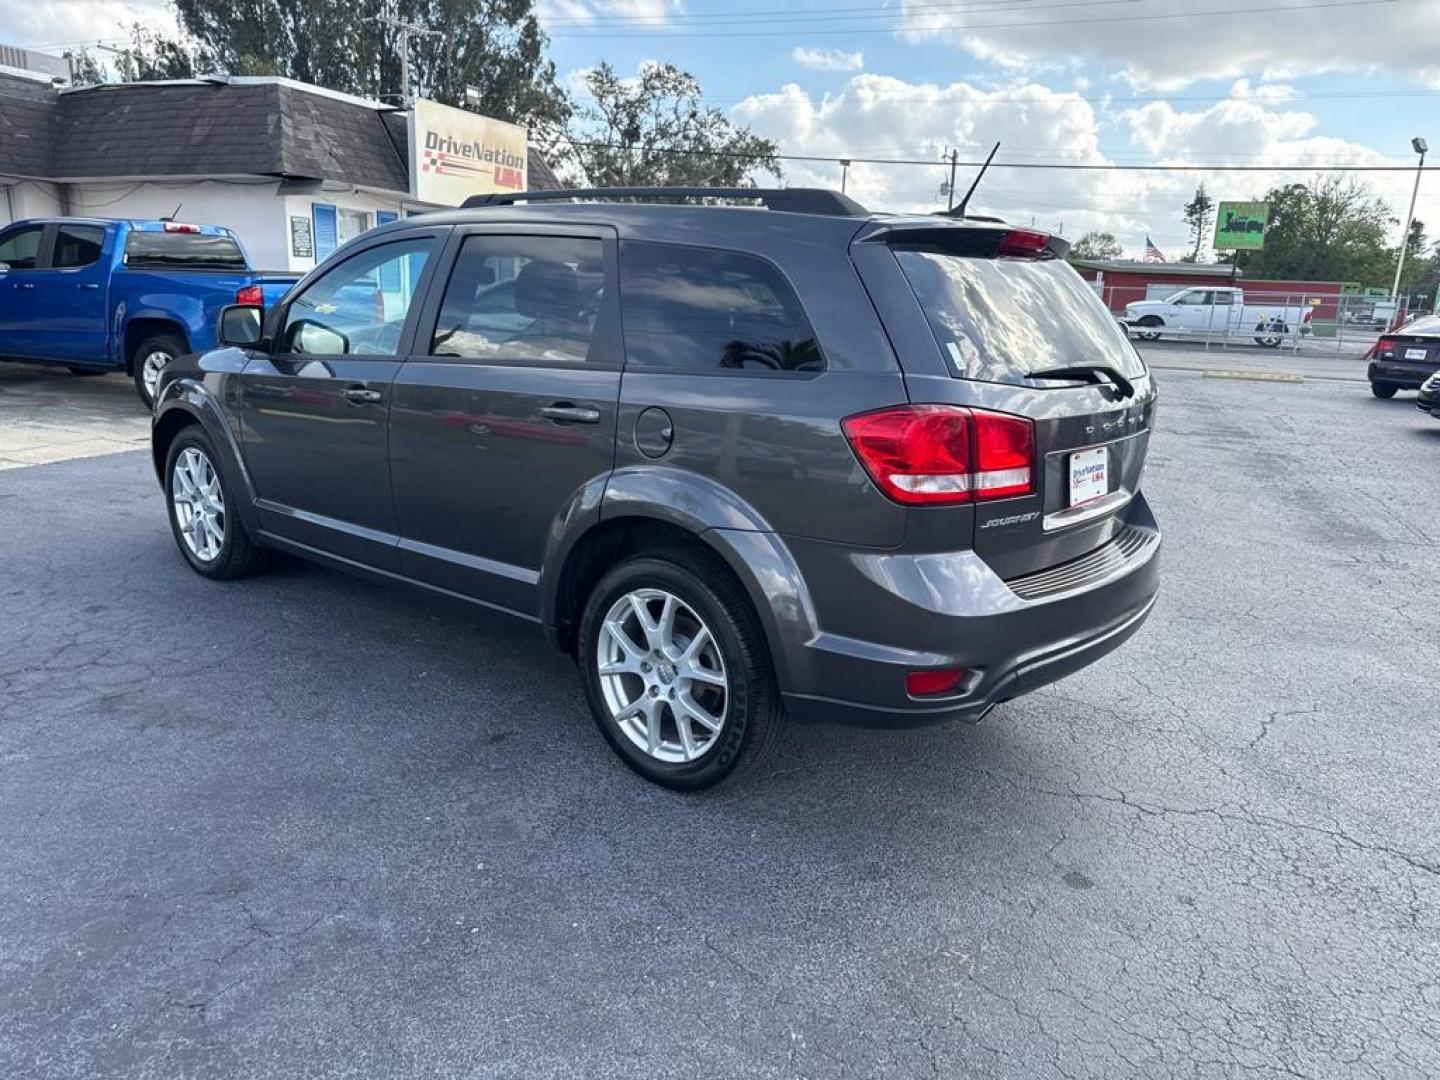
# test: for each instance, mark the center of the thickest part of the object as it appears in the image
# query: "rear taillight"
(927, 455)
(1385, 345)
(1024, 243)
(250, 296)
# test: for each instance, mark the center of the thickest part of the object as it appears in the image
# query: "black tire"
(87, 372)
(1383, 390)
(1271, 337)
(237, 553)
(1147, 331)
(753, 715)
(167, 344)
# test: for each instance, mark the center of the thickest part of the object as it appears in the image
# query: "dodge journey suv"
(740, 462)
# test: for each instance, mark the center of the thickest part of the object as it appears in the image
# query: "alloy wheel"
(662, 677)
(150, 369)
(199, 503)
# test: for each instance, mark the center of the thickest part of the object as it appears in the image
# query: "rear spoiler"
(975, 241)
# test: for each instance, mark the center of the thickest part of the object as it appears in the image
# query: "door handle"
(89, 286)
(562, 412)
(362, 395)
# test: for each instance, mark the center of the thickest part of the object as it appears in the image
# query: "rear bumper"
(951, 611)
(1404, 376)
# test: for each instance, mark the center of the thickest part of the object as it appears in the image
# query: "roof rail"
(792, 200)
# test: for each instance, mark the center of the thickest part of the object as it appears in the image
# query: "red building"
(1122, 281)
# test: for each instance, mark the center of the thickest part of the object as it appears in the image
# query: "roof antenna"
(959, 211)
(176, 212)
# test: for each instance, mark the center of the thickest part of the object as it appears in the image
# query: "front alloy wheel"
(662, 676)
(199, 503)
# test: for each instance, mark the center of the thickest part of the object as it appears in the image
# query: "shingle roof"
(205, 128)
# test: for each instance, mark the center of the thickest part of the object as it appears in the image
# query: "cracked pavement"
(303, 825)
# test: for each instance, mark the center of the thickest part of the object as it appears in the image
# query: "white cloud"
(73, 23)
(875, 116)
(1154, 48)
(638, 14)
(827, 59)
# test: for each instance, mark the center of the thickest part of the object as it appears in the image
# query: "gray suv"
(740, 462)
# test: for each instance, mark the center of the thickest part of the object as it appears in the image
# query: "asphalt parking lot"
(303, 825)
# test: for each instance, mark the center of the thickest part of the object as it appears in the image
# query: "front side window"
(357, 308)
(77, 245)
(522, 298)
(697, 309)
(20, 248)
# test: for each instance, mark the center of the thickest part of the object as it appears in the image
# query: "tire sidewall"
(722, 758)
(194, 437)
(166, 343)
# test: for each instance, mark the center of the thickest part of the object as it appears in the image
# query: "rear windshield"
(183, 251)
(998, 319)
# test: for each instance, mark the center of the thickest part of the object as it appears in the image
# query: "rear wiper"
(1091, 373)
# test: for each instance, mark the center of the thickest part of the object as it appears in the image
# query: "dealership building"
(295, 170)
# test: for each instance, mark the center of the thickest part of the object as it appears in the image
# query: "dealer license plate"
(1089, 475)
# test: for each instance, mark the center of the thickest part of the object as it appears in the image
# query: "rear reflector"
(250, 296)
(932, 682)
(1024, 243)
(927, 455)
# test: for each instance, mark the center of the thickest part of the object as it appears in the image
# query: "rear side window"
(997, 319)
(77, 245)
(696, 309)
(522, 298)
(182, 251)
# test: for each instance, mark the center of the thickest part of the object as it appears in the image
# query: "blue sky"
(1284, 84)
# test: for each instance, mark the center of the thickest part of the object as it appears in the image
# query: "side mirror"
(307, 338)
(240, 326)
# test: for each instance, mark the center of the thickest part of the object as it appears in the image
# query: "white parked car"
(1217, 313)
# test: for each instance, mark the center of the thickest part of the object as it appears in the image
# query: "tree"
(653, 130)
(146, 56)
(1197, 216)
(495, 46)
(1097, 245)
(1422, 263)
(1331, 229)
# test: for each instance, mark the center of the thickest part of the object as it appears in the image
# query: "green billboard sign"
(1240, 226)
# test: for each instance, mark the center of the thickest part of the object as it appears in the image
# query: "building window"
(352, 223)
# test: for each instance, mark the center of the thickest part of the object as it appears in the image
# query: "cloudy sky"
(1286, 85)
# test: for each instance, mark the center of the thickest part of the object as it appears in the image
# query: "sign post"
(455, 154)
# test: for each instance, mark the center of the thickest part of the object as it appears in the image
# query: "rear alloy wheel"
(149, 360)
(1382, 390)
(207, 531)
(1273, 335)
(676, 670)
(1147, 328)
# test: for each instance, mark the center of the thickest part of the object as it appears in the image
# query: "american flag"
(1152, 253)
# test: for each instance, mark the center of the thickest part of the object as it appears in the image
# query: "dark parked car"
(738, 462)
(1404, 359)
(1429, 400)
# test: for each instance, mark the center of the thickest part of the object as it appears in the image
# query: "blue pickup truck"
(100, 295)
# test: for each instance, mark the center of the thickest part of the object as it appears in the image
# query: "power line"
(1269, 10)
(823, 15)
(1062, 165)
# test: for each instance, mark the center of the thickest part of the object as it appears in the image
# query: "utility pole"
(954, 157)
(844, 173)
(406, 29)
(1420, 146)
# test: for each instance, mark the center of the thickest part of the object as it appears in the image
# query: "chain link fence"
(1328, 323)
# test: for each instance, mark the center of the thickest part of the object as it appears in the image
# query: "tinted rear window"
(183, 251)
(998, 319)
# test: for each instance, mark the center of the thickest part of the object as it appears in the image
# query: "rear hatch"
(1017, 332)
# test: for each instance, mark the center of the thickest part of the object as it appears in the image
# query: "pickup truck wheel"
(207, 530)
(676, 670)
(149, 360)
(1147, 331)
(1382, 390)
(1274, 336)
